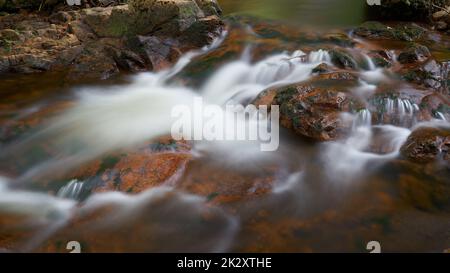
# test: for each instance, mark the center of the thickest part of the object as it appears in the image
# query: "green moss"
(211, 196)
(107, 163)
(403, 32)
(6, 44)
(342, 59)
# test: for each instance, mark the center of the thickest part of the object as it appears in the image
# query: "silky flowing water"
(333, 196)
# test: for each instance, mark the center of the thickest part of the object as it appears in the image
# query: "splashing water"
(72, 190)
(363, 119)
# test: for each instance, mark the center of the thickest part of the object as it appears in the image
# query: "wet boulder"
(414, 53)
(428, 144)
(381, 58)
(342, 59)
(314, 110)
(133, 170)
(379, 31)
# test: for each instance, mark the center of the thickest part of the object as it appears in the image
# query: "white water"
(72, 190)
(123, 116)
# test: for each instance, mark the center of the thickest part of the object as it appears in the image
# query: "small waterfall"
(440, 116)
(72, 190)
(243, 80)
(363, 119)
(319, 56)
(389, 103)
(369, 62)
(402, 107)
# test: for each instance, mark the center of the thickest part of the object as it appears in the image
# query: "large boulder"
(169, 16)
(314, 110)
(109, 22)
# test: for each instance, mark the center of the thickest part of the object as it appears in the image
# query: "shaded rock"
(441, 25)
(408, 10)
(159, 51)
(15, 5)
(60, 17)
(93, 62)
(202, 32)
(415, 53)
(427, 144)
(127, 59)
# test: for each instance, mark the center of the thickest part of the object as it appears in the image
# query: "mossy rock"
(342, 59)
(414, 53)
(402, 32)
(110, 22)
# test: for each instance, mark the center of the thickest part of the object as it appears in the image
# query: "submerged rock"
(133, 171)
(427, 144)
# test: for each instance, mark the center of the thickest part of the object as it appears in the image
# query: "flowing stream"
(336, 195)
